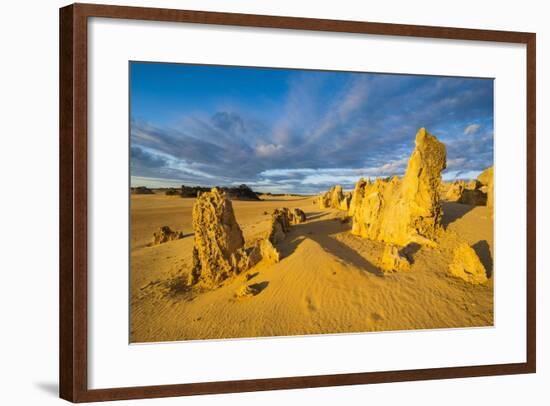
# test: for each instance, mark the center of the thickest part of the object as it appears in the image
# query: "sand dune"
(328, 280)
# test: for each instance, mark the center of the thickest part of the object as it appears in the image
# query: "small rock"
(250, 290)
(467, 266)
(165, 234)
(297, 216)
(393, 260)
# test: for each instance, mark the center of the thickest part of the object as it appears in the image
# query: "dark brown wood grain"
(531, 198)
(73, 201)
(66, 131)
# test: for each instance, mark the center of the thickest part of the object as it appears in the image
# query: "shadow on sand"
(314, 215)
(454, 211)
(320, 231)
(256, 288)
(483, 251)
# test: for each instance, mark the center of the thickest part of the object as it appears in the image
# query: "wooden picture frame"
(73, 280)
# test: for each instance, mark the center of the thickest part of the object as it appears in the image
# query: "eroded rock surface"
(165, 234)
(467, 266)
(474, 197)
(486, 178)
(394, 260)
(401, 211)
(473, 184)
(279, 225)
(466, 193)
(335, 198)
(263, 250)
(455, 191)
(357, 195)
(218, 249)
(297, 216)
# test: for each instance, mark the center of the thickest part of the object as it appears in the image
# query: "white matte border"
(115, 363)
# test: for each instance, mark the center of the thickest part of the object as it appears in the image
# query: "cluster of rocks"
(281, 220)
(219, 249)
(407, 211)
(471, 193)
(398, 212)
(476, 192)
(335, 198)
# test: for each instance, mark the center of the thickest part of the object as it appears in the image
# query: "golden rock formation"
(393, 259)
(486, 178)
(219, 241)
(345, 204)
(335, 198)
(473, 184)
(467, 266)
(466, 193)
(279, 226)
(263, 250)
(297, 216)
(219, 252)
(165, 234)
(474, 197)
(357, 195)
(407, 210)
(455, 190)
(281, 220)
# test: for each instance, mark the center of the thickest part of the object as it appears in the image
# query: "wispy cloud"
(472, 129)
(314, 129)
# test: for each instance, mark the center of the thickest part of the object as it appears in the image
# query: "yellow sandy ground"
(327, 281)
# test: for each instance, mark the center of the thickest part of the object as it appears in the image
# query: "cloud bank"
(306, 132)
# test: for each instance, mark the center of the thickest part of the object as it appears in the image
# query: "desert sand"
(327, 281)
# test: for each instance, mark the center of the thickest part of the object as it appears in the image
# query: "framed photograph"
(255, 202)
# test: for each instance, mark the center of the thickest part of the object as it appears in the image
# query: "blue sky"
(297, 131)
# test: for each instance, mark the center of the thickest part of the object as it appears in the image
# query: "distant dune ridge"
(396, 253)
